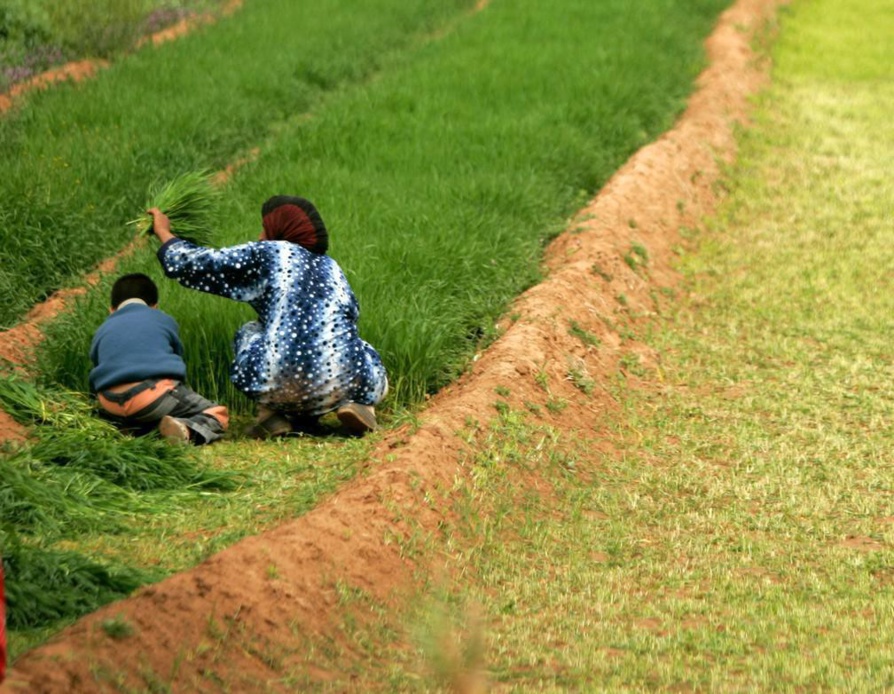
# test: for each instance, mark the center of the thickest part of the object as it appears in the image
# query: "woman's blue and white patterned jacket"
(304, 353)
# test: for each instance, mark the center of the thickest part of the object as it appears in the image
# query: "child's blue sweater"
(136, 343)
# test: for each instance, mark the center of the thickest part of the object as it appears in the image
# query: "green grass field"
(738, 537)
(442, 178)
(78, 160)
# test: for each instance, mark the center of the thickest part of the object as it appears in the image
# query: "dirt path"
(666, 185)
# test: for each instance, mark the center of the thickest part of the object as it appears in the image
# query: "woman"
(303, 356)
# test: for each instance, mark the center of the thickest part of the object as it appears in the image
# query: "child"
(139, 370)
(303, 356)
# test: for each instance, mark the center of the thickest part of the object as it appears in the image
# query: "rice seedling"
(189, 201)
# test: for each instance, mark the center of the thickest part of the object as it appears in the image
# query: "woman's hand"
(161, 225)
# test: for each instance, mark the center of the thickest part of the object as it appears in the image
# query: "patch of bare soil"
(349, 538)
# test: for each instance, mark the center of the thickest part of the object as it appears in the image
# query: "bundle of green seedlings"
(78, 474)
(188, 200)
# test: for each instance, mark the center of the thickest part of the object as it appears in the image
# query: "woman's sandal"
(270, 427)
(356, 418)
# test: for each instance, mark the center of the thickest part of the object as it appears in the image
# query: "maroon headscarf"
(288, 218)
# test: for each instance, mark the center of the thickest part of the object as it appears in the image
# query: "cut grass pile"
(77, 476)
(442, 179)
(75, 438)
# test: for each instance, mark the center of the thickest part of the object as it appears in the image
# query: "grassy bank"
(740, 537)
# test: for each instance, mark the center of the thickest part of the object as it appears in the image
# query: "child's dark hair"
(134, 286)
